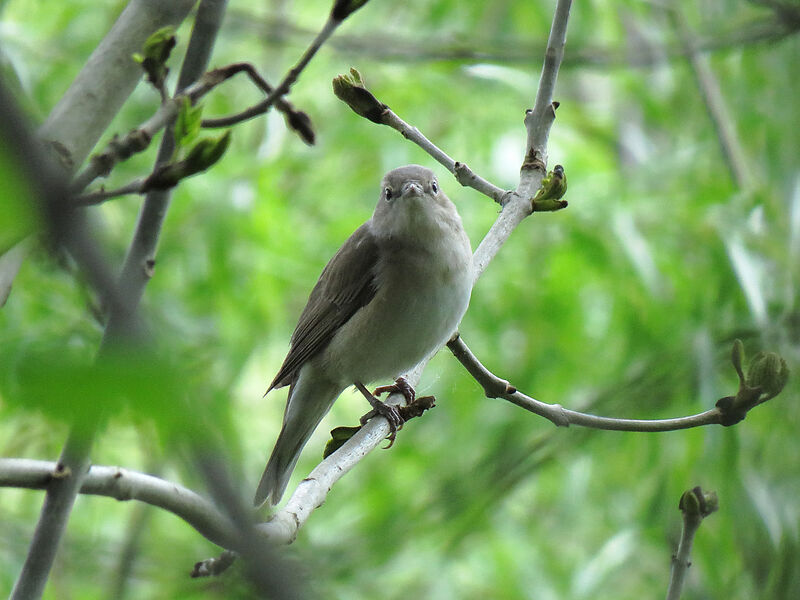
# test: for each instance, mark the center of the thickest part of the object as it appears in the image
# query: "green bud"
(206, 152)
(689, 503)
(769, 372)
(154, 55)
(697, 503)
(351, 90)
(554, 186)
(203, 155)
(188, 122)
(158, 46)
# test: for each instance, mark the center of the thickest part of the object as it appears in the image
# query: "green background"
(625, 304)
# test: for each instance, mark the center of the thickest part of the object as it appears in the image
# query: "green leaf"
(187, 124)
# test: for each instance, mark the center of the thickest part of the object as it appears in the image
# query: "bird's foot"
(390, 412)
(400, 386)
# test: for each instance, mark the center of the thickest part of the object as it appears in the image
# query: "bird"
(392, 295)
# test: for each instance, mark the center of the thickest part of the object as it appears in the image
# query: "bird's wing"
(347, 283)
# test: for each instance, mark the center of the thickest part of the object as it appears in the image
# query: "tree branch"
(123, 485)
(140, 259)
(351, 90)
(537, 124)
(766, 378)
(69, 229)
(469, 48)
(708, 85)
(138, 139)
(286, 83)
(105, 82)
(494, 387)
(695, 506)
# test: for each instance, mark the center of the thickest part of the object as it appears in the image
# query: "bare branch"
(494, 387)
(695, 506)
(137, 186)
(351, 90)
(123, 485)
(285, 85)
(470, 47)
(464, 175)
(708, 85)
(539, 120)
(537, 124)
(766, 378)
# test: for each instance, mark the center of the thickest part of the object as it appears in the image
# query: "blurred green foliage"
(625, 304)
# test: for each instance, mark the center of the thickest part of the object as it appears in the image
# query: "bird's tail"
(308, 403)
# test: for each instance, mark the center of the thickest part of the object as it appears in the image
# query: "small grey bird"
(393, 294)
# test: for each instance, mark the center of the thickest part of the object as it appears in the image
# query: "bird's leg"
(400, 386)
(388, 411)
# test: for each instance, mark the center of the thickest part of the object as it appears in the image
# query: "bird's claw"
(392, 416)
(388, 411)
(400, 386)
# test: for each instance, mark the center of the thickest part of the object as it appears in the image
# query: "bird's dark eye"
(388, 193)
(435, 187)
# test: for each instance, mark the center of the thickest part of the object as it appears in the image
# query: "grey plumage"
(393, 293)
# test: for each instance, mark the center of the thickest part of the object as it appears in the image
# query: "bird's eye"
(388, 193)
(435, 187)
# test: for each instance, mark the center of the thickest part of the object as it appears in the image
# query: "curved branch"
(494, 387)
(123, 485)
(285, 85)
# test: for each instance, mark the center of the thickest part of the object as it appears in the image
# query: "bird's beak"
(412, 188)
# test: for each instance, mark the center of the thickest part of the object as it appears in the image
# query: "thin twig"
(285, 85)
(138, 139)
(494, 387)
(708, 85)
(137, 186)
(123, 484)
(297, 120)
(695, 506)
(464, 175)
(276, 30)
(537, 123)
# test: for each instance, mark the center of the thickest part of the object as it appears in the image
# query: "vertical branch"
(108, 78)
(695, 505)
(732, 151)
(537, 122)
(140, 259)
(69, 227)
(73, 464)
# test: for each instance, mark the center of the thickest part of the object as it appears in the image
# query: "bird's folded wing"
(347, 283)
